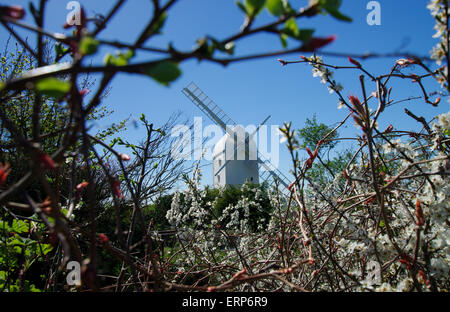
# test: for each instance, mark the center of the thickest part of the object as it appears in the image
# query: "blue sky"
(248, 92)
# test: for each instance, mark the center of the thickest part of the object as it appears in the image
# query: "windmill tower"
(235, 157)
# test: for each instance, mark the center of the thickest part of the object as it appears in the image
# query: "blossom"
(4, 171)
(437, 54)
(46, 161)
(83, 92)
(283, 62)
(116, 188)
(12, 11)
(356, 104)
(405, 62)
(335, 87)
(46, 205)
(324, 73)
(316, 43)
(389, 128)
(434, 7)
(436, 102)
(354, 62)
(103, 238)
(125, 157)
(419, 213)
(241, 274)
(82, 185)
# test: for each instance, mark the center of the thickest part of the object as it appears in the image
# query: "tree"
(53, 120)
(313, 132)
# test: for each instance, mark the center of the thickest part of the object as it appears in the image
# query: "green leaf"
(4, 225)
(60, 49)
(332, 7)
(164, 72)
(109, 59)
(17, 242)
(46, 248)
(305, 34)
(283, 38)
(275, 7)
(338, 15)
(381, 223)
(88, 46)
(19, 226)
(254, 7)
(330, 4)
(127, 55)
(226, 48)
(155, 29)
(242, 7)
(52, 87)
(121, 59)
(291, 28)
(203, 48)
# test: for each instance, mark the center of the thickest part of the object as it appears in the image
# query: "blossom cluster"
(441, 12)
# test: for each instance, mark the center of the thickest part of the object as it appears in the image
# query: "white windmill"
(235, 157)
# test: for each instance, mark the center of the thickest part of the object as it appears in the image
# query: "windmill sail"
(207, 106)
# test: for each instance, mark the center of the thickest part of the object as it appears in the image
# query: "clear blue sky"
(250, 91)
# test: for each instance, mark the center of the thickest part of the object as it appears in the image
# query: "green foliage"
(157, 212)
(276, 7)
(52, 87)
(156, 27)
(164, 72)
(60, 50)
(291, 29)
(88, 46)
(120, 59)
(260, 207)
(254, 7)
(313, 132)
(332, 7)
(323, 171)
(19, 251)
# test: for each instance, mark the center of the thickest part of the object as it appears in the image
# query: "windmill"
(235, 158)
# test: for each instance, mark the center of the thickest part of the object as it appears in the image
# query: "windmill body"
(235, 159)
